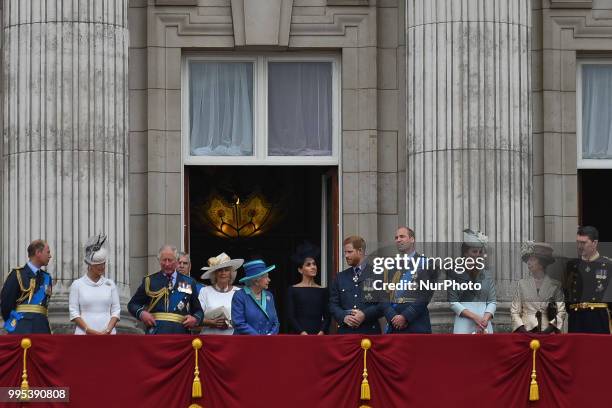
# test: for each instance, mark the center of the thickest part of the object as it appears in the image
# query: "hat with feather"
(95, 253)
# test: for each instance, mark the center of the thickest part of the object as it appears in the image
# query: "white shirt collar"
(33, 268)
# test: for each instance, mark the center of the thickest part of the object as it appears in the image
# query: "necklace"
(218, 289)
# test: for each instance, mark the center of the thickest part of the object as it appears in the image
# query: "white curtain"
(221, 104)
(300, 109)
(597, 111)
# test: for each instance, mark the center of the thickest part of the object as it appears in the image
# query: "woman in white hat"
(216, 299)
(93, 301)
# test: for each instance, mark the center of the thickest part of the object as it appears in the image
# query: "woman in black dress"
(307, 302)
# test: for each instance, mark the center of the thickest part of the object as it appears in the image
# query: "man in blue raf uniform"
(587, 289)
(26, 293)
(167, 301)
(406, 311)
(353, 308)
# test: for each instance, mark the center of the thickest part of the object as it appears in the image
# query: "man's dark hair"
(35, 246)
(588, 231)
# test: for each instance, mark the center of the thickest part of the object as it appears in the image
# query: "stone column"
(64, 155)
(469, 125)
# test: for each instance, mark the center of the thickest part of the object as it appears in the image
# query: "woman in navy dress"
(307, 302)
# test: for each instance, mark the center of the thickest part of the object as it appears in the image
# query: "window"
(594, 113)
(265, 109)
(221, 108)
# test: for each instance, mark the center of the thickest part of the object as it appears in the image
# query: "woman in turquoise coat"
(253, 310)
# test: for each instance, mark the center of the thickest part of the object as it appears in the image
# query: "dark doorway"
(594, 206)
(262, 211)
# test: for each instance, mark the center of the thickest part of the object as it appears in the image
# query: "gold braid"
(156, 295)
(25, 293)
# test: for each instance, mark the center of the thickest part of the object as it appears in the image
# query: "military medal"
(184, 288)
(180, 306)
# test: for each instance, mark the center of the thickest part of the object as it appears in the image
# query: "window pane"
(300, 109)
(597, 111)
(221, 107)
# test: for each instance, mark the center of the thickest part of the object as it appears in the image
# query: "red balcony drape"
(314, 371)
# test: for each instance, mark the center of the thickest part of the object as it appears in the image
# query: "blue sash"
(37, 298)
(175, 299)
(177, 296)
(39, 295)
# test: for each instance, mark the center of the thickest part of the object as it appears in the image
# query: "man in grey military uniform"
(354, 310)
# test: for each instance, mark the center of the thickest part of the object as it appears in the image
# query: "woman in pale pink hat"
(216, 299)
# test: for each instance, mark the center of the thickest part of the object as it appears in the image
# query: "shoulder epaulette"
(11, 271)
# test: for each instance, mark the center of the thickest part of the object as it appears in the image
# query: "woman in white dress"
(216, 299)
(94, 302)
(538, 304)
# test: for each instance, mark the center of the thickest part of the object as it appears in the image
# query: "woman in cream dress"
(216, 299)
(93, 301)
(538, 304)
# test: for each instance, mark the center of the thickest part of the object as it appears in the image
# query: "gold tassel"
(196, 389)
(365, 385)
(365, 389)
(534, 392)
(26, 343)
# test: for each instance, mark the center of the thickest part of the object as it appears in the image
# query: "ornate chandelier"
(241, 218)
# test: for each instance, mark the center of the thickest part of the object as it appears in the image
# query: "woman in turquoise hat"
(253, 310)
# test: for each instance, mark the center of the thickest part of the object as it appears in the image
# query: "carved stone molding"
(176, 2)
(583, 4)
(587, 33)
(333, 23)
(348, 2)
(262, 23)
(189, 25)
